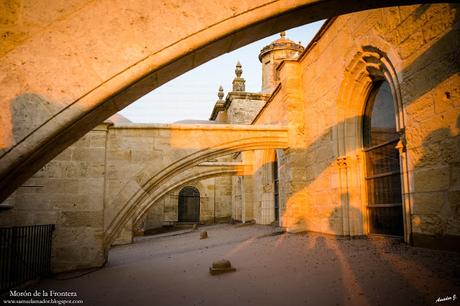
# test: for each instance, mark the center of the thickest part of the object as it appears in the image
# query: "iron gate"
(25, 254)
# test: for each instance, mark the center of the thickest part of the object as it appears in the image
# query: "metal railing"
(25, 254)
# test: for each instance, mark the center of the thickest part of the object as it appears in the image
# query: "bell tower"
(272, 55)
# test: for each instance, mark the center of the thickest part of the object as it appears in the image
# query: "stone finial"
(220, 94)
(238, 81)
(220, 104)
(283, 34)
(238, 70)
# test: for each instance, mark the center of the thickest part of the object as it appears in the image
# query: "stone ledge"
(213, 127)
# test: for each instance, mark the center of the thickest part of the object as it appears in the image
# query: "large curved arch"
(154, 183)
(68, 74)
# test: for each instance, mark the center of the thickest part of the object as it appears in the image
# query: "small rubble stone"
(221, 266)
(203, 235)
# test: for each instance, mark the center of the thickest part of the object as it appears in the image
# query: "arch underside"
(81, 74)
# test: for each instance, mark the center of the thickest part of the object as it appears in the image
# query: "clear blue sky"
(193, 94)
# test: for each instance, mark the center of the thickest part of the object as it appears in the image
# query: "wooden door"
(189, 205)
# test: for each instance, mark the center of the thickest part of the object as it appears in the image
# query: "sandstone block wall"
(264, 198)
(237, 198)
(243, 107)
(324, 184)
(68, 192)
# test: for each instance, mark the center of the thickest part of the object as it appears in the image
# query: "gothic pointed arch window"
(383, 177)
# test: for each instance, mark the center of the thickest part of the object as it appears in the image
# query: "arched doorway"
(189, 205)
(383, 177)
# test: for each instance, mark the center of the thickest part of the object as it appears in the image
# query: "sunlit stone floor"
(286, 269)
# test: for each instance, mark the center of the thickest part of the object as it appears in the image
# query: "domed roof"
(279, 44)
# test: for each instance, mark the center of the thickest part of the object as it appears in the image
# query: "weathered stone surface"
(420, 44)
(426, 203)
(434, 179)
(82, 218)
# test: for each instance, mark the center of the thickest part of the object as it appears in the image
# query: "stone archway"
(81, 73)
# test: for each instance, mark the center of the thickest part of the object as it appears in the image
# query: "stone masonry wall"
(87, 188)
(244, 107)
(422, 44)
(68, 192)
